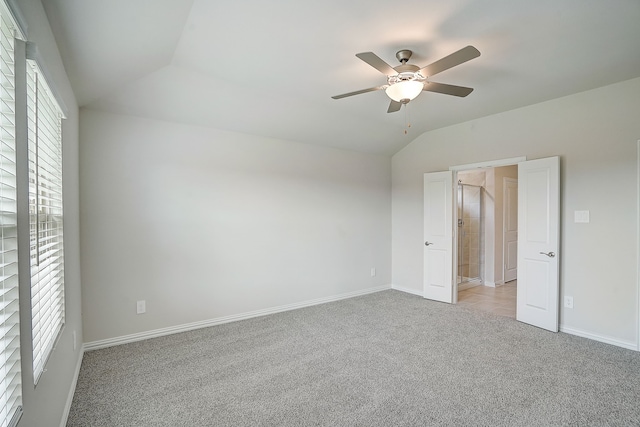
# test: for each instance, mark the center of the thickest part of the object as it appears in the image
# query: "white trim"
(505, 180)
(466, 285)
(607, 340)
(489, 164)
(33, 54)
(18, 19)
(407, 290)
(494, 284)
(125, 339)
(638, 245)
(72, 390)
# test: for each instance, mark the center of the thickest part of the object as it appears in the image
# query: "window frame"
(44, 135)
(10, 357)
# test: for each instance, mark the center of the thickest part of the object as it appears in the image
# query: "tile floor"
(500, 300)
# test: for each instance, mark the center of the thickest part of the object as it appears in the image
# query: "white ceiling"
(270, 67)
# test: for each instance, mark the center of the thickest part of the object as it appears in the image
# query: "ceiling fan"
(407, 81)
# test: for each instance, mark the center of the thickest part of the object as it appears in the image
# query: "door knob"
(549, 254)
(428, 243)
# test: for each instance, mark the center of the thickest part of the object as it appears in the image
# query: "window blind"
(10, 378)
(44, 119)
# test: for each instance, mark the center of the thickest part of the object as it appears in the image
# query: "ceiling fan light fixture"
(404, 90)
(406, 81)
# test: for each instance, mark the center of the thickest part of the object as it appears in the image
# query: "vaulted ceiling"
(270, 67)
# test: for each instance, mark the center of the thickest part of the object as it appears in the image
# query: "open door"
(538, 242)
(438, 236)
(510, 230)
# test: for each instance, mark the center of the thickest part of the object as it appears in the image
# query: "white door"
(438, 236)
(510, 229)
(538, 242)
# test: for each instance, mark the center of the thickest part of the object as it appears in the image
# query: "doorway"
(487, 239)
(538, 217)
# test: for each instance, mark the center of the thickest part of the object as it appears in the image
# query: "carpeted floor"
(385, 359)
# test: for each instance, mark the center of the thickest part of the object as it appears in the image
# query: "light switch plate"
(581, 217)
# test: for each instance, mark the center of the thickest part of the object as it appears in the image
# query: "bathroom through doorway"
(486, 227)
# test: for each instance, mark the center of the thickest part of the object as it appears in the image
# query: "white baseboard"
(72, 389)
(110, 342)
(495, 284)
(407, 290)
(600, 338)
(468, 285)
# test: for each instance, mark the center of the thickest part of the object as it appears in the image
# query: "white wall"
(204, 224)
(595, 134)
(45, 405)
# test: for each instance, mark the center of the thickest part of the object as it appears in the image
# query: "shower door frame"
(460, 236)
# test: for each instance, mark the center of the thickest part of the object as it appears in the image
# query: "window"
(44, 119)
(10, 379)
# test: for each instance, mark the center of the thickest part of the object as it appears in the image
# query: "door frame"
(472, 166)
(638, 243)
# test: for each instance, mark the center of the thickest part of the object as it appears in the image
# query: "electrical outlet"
(373, 272)
(568, 302)
(141, 307)
(581, 217)
(75, 345)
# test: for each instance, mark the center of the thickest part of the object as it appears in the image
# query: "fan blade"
(358, 92)
(463, 55)
(394, 106)
(460, 91)
(377, 63)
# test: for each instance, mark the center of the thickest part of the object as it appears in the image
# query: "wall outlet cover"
(581, 217)
(568, 302)
(141, 307)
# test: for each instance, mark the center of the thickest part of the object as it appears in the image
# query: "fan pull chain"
(406, 118)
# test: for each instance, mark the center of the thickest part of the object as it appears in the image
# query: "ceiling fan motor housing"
(404, 55)
(405, 73)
